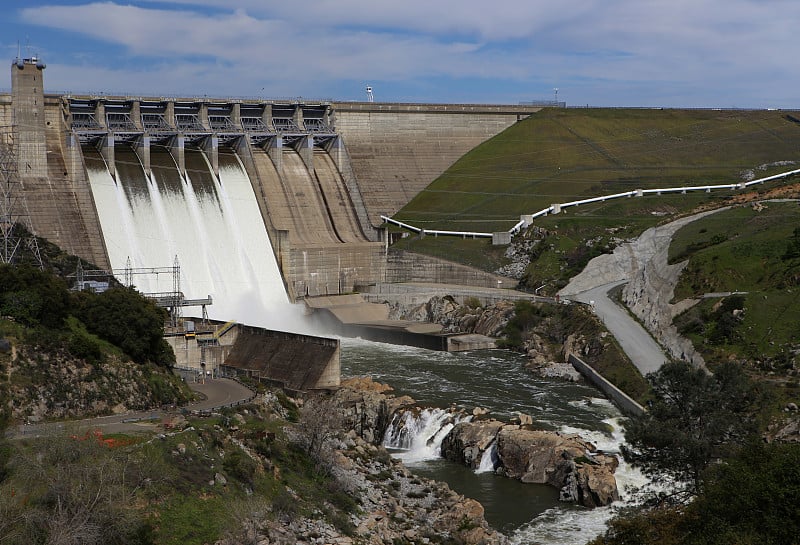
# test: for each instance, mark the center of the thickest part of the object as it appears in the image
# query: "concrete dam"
(248, 194)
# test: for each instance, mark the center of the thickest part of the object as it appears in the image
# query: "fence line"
(527, 219)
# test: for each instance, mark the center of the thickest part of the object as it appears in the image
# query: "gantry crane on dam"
(173, 300)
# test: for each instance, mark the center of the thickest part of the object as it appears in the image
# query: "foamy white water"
(570, 525)
(489, 460)
(213, 226)
(418, 437)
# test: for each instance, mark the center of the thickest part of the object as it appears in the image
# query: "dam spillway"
(319, 173)
(213, 225)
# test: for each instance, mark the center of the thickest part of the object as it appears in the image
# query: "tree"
(321, 420)
(793, 247)
(125, 318)
(695, 419)
(33, 297)
(750, 499)
(659, 526)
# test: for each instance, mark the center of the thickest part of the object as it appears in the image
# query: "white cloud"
(642, 46)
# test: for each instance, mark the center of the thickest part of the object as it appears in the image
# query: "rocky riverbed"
(572, 465)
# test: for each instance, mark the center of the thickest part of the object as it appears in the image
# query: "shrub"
(33, 297)
(240, 466)
(125, 318)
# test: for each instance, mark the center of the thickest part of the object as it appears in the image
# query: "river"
(498, 381)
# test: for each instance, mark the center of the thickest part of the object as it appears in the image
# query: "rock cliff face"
(456, 318)
(366, 407)
(565, 462)
(650, 283)
(45, 385)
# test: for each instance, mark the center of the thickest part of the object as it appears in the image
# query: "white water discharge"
(213, 226)
(568, 525)
(416, 437)
(489, 459)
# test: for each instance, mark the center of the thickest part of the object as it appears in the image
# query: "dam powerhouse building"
(122, 179)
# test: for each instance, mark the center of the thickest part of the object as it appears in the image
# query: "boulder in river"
(468, 441)
(566, 462)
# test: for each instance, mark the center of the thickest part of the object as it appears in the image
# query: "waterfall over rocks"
(418, 435)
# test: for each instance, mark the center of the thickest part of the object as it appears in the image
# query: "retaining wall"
(624, 402)
(297, 362)
(403, 266)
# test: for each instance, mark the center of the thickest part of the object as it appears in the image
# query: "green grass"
(190, 520)
(562, 155)
(743, 250)
(737, 250)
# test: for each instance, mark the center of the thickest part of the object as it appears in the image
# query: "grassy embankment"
(170, 490)
(564, 155)
(752, 251)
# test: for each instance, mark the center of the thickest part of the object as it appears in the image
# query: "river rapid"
(497, 380)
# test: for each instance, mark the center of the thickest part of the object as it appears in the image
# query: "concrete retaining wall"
(617, 396)
(297, 362)
(403, 266)
(311, 270)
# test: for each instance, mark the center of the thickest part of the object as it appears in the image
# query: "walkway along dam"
(233, 187)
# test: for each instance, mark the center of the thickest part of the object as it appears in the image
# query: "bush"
(32, 297)
(125, 318)
(83, 344)
(240, 466)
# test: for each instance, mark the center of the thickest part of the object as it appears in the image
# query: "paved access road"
(636, 342)
(215, 393)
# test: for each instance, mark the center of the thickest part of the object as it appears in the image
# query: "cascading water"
(489, 459)
(562, 525)
(499, 382)
(415, 437)
(213, 226)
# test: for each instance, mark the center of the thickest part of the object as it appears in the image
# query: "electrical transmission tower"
(13, 206)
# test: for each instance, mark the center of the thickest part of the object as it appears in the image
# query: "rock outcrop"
(47, 385)
(394, 505)
(367, 407)
(456, 318)
(468, 442)
(566, 462)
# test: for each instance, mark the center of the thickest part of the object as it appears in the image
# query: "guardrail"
(435, 232)
(556, 208)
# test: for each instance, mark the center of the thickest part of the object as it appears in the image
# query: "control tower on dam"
(320, 174)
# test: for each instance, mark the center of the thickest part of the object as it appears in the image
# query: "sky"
(650, 53)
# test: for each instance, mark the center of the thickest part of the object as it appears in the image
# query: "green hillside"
(751, 250)
(559, 155)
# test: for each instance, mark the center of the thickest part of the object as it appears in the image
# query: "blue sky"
(676, 53)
